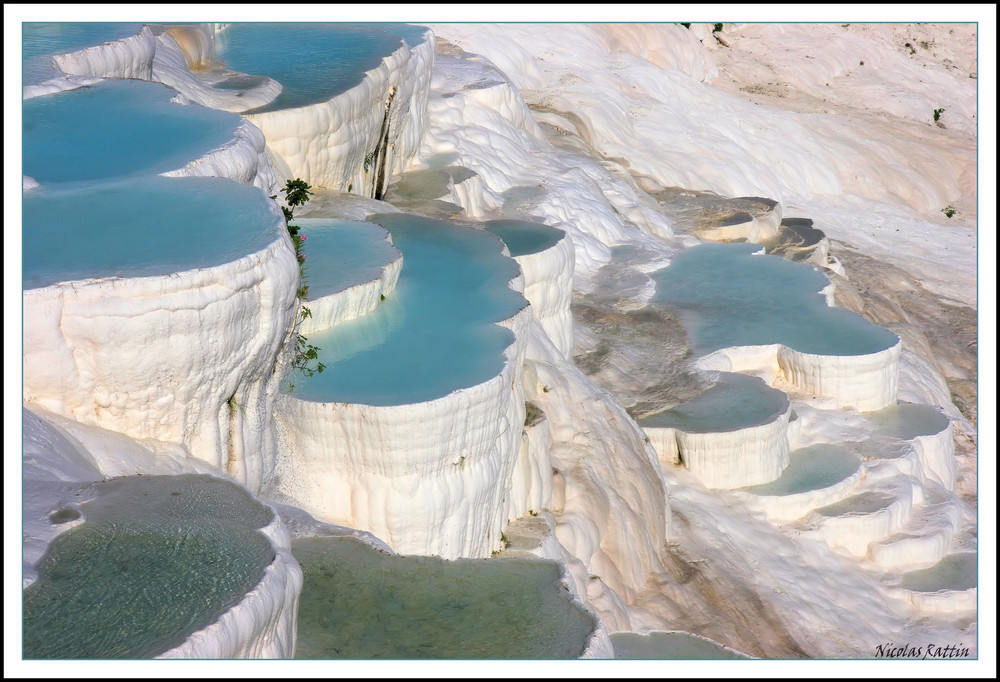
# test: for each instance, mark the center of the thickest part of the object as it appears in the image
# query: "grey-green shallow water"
(908, 420)
(158, 558)
(358, 602)
(523, 238)
(734, 298)
(674, 646)
(953, 572)
(735, 402)
(811, 468)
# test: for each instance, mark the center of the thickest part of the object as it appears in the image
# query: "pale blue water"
(523, 237)
(736, 402)
(342, 253)
(140, 227)
(313, 62)
(671, 646)
(360, 603)
(117, 128)
(158, 558)
(41, 40)
(733, 298)
(811, 468)
(908, 420)
(436, 331)
(954, 572)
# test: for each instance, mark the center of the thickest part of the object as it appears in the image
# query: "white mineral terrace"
(844, 516)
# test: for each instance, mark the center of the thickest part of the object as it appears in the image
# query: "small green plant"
(504, 540)
(686, 25)
(949, 211)
(937, 114)
(297, 193)
(716, 28)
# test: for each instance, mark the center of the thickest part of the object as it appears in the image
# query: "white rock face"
(427, 478)
(727, 459)
(609, 506)
(130, 57)
(326, 144)
(186, 358)
(548, 286)
(58, 84)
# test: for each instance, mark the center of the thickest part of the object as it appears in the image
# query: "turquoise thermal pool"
(672, 646)
(342, 253)
(358, 602)
(908, 420)
(435, 334)
(523, 237)
(41, 40)
(811, 468)
(954, 572)
(141, 227)
(313, 62)
(730, 297)
(158, 558)
(736, 402)
(117, 128)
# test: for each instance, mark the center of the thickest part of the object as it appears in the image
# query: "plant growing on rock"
(297, 193)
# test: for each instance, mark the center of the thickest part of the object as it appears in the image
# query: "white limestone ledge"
(871, 515)
(788, 508)
(864, 382)
(186, 358)
(130, 57)
(727, 459)
(243, 159)
(548, 286)
(265, 622)
(430, 478)
(945, 602)
(752, 228)
(924, 540)
(354, 301)
(326, 144)
(182, 53)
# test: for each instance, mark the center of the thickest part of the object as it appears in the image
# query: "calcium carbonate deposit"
(485, 391)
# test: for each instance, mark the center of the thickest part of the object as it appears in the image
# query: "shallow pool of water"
(438, 335)
(908, 420)
(41, 40)
(140, 227)
(158, 558)
(811, 468)
(736, 401)
(862, 503)
(117, 128)
(733, 298)
(359, 603)
(954, 572)
(672, 646)
(523, 237)
(342, 253)
(313, 62)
